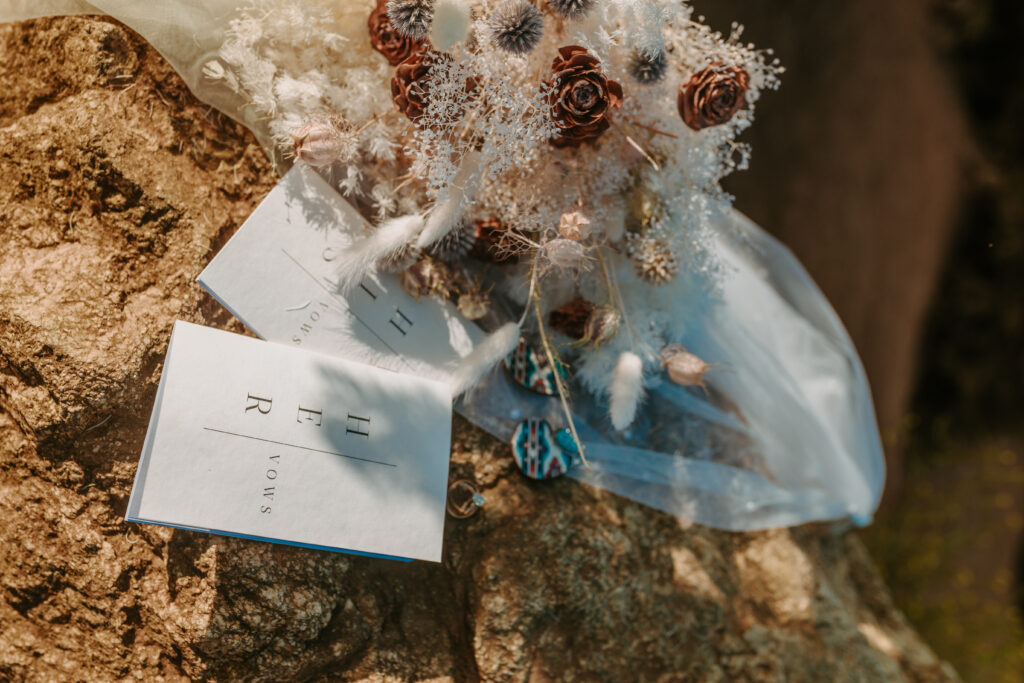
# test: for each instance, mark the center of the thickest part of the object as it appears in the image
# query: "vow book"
(277, 275)
(266, 441)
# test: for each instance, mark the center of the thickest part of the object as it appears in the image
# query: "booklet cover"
(276, 276)
(260, 440)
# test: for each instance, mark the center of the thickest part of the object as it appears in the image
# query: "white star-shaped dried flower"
(573, 226)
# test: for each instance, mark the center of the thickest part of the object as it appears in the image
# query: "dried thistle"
(571, 9)
(455, 245)
(411, 17)
(648, 70)
(517, 26)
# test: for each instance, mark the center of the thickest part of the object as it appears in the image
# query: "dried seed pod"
(570, 319)
(601, 326)
(563, 253)
(411, 17)
(573, 226)
(684, 368)
(517, 26)
(325, 141)
(474, 303)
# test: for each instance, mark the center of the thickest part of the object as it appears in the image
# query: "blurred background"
(892, 163)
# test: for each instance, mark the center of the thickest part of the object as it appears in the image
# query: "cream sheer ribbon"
(788, 434)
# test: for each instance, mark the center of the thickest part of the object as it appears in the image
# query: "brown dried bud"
(713, 96)
(426, 277)
(571, 318)
(385, 39)
(580, 97)
(684, 368)
(325, 141)
(601, 326)
(474, 303)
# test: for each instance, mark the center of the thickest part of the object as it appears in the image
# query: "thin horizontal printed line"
(304, 448)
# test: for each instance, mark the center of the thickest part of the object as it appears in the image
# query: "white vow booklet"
(276, 276)
(259, 440)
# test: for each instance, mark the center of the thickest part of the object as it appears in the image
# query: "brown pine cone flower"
(396, 47)
(407, 88)
(571, 319)
(580, 97)
(713, 96)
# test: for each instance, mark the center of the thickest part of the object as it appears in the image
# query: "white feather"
(626, 390)
(481, 359)
(447, 214)
(361, 257)
(450, 24)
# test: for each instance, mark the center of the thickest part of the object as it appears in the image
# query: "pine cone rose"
(580, 97)
(407, 89)
(396, 47)
(713, 96)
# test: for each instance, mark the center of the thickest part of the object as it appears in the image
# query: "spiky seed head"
(455, 245)
(646, 69)
(654, 259)
(411, 17)
(517, 26)
(572, 9)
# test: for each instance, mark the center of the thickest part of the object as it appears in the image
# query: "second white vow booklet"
(266, 441)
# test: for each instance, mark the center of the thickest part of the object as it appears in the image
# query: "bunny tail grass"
(361, 257)
(626, 391)
(480, 360)
(447, 214)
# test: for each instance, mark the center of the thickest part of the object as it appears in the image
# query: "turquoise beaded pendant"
(537, 450)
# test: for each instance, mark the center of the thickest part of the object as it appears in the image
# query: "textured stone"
(114, 192)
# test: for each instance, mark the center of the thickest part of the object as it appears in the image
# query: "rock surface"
(116, 187)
